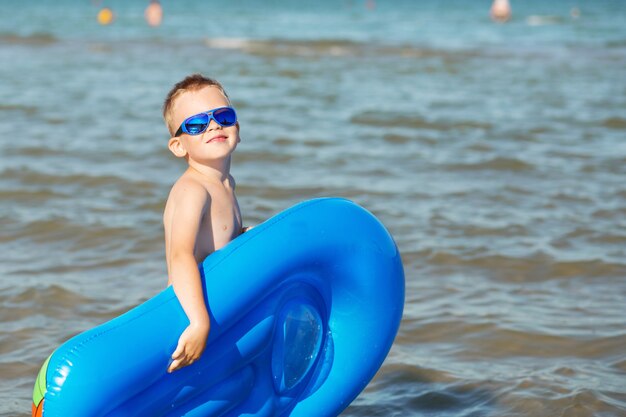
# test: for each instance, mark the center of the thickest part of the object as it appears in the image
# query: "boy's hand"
(191, 344)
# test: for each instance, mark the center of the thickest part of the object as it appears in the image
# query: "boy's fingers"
(179, 363)
(180, 349)
(173, 366)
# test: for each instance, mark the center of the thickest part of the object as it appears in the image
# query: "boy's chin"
(209, 160)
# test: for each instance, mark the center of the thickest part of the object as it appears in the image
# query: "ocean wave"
(380, 118)
(49, 295)
(617, 123)
(279, 193)
(286, 47)
(493, 164)
(34, 39)
(329, 47)
(506, 342)
(533, 268)
(77, 236)
(29, 306)
(265, 156)
(542, 20)
(32, 177)
(40, 196)
(429, 390)
(20, 108)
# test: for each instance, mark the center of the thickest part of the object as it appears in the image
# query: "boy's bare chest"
(221, 224)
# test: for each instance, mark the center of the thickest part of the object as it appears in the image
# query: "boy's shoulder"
(187, 187)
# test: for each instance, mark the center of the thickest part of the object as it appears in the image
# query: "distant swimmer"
(154, 13)
(106, 16)
(500, 11)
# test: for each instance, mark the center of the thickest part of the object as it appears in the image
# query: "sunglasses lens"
(225, 116)
(197, 124)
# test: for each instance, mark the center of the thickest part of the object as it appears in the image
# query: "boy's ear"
(238, 131)
(176, 147)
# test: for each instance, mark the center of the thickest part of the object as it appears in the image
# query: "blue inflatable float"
(304, 309)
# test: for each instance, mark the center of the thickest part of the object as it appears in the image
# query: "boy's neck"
(220, 171)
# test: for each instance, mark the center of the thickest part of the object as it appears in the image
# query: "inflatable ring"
(304, 309)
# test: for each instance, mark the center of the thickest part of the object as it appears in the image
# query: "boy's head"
(200, 104)
(190, 83)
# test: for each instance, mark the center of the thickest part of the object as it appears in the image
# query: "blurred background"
(489, 140)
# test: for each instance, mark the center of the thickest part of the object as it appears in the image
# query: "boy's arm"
(191, 204)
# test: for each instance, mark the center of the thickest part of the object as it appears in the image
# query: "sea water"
(494, 153)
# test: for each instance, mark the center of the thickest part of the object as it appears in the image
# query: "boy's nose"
(213, 125)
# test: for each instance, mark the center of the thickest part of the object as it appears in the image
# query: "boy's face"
(216, 142)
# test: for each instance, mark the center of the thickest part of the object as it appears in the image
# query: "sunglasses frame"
(183, 129)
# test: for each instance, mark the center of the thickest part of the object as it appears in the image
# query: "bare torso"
(220, 221)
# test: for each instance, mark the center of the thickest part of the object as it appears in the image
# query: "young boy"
(201, 214)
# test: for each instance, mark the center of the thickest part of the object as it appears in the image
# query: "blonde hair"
(191, 82)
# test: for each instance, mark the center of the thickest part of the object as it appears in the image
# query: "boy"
(201, 214)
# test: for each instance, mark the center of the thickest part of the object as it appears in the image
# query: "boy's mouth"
(217, 138)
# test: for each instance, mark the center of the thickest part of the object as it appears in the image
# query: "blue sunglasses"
(198, 123)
